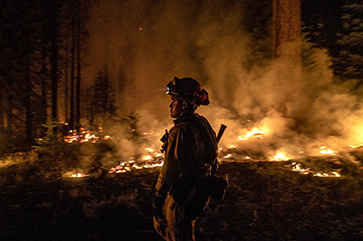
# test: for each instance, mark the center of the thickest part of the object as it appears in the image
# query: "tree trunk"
(78, 85)
(2, 111)
(44, 84)
(73, 44)
(66, 86)
(27, 104)
(286, 51)
(286, 29)
(9, 110)
(54, 62)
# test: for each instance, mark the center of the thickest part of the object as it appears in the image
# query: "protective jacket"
(191, 148)
(181, 188)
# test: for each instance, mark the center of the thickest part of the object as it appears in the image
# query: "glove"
(157, 207)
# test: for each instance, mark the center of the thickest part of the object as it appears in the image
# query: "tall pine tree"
(103, 100)
(349, 64)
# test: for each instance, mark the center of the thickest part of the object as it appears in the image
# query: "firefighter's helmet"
(188, 89)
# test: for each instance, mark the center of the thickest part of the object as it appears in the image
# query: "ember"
(151, 159)
(85, 136)
(75, 174)
(332, 174)
(297, 167)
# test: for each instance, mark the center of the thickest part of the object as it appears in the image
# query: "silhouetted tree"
(349, 63)
(20, 29)
(103, 98)
(322, 23)
(33, 48)
(76, 37)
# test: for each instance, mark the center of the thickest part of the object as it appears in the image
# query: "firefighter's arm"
(170, 170)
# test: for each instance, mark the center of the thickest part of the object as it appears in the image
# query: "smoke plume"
(146, 43)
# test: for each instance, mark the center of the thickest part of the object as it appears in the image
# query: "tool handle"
(220, 132)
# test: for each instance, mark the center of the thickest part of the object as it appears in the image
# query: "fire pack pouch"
(198, 203)
(183, 189)
(217, 184)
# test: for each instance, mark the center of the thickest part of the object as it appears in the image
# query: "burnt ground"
(265, 201)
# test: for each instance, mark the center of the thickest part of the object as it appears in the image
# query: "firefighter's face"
(177, 107)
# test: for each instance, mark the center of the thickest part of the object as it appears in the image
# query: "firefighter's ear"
(184, 105)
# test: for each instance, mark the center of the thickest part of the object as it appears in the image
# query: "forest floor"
(265, 201)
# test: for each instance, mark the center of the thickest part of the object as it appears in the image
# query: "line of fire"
(233, 152)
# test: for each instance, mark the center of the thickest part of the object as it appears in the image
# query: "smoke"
(146, 43)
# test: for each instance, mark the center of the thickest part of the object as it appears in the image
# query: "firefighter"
(190, 148)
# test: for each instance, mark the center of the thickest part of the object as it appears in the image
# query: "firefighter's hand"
(157, 207)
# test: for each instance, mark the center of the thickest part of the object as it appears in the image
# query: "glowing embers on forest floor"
(297, 167)
(150, 159)
(76, 174)
(83, 136)
(256, 145)
(295, 163)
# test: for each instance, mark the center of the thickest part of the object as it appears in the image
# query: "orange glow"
(254, 133)
(228, 156)
(325, 151)
(281, 157)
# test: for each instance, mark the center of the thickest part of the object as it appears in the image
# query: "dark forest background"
(44, 42)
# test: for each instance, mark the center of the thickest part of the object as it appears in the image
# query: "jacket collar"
(186, 118)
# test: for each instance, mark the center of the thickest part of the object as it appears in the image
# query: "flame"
(325, 151)
(85, 136)
(228, 156)
(153, 165)
(297, 167)
(355, 146)
(149, 149)
(255, 132)
(336, 174)
(324, 174)
(77, 175)
(281, 157)
(147, 158)
(153, 159)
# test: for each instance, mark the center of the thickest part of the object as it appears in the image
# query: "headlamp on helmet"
(189, 90)
(173, 87)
